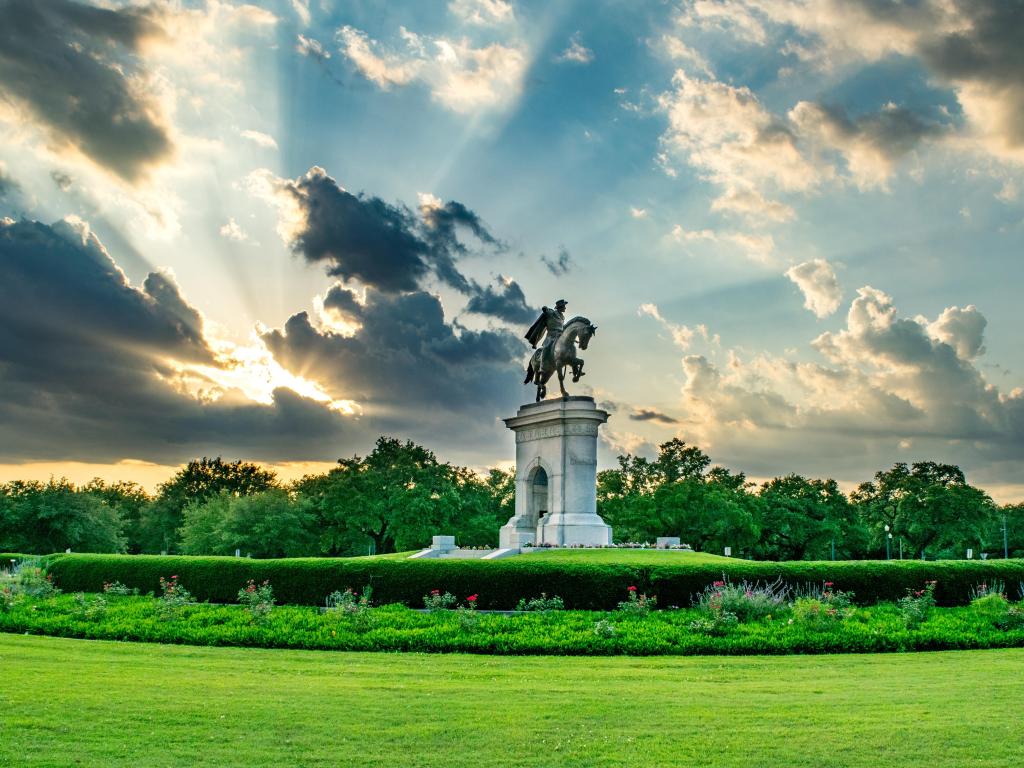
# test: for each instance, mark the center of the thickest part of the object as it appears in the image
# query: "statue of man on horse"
(558, 351)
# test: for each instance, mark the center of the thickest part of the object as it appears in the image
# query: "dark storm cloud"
(68, 64)
(404, 356)
(894, 131)
(508, 302)
(559, 265)
(647, 414)
(988, 52)
(87, 373)
(389, 247)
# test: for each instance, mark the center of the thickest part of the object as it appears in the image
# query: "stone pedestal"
(556, 475)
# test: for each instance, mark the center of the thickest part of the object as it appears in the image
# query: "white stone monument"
(556, 475)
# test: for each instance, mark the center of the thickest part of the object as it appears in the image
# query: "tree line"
(400, 494)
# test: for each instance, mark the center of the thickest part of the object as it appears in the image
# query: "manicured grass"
(93, 703)
(627, 556)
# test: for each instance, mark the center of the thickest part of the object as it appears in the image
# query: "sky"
(275, 231)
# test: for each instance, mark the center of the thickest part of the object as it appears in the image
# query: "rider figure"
(549, 324)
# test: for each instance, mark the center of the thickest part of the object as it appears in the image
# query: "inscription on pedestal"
(540, 433)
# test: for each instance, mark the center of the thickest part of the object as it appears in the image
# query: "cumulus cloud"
(232, 231)
(817, 280)
(389, 247)
(576, 52)
(972, 46)
(887, 381)
(482, 12)
(403, 358)
(96, 369)
(461, 76)
(872, 144)
(73, 69)
(728, 135)
(506, 301)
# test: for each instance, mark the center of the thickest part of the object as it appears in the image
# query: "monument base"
(556, 475)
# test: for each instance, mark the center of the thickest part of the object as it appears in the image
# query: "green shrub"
(501, 584)
(745, 601)
(915, 606)
(258, 599)
(637, 603)
(396, 628)
(542, 603)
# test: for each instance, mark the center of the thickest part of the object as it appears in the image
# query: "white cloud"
(817, 280)
(301, 8)
(482, 13)
(887, 380)
(461, 77)
(384, 69)
(576, 53)
(727, 134)
(261, 139)
(638, 213)
(232, 231)
(682, 335)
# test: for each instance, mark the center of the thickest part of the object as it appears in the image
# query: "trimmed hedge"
(500, 584)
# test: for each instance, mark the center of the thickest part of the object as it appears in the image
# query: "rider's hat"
(561, 303)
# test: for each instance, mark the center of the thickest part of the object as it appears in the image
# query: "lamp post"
(888, 543)
(1006, 540)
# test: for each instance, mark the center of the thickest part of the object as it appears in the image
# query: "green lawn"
(628, 556)
(93, 703)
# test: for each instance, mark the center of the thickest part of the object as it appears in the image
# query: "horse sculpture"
(560, 355)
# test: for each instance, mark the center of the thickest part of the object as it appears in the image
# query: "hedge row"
(500, 584)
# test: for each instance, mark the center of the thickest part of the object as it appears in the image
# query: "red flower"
(828, 583)
(631, 589)
(471, 599)
(435, 591)
(718, 584)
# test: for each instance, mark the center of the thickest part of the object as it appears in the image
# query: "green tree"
(397, 496)
(802, 519)
(928, 505)
(677, 494)
(265, 524)
(41, 518)
(129, 500)
(199, 480)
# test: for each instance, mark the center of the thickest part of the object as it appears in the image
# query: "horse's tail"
(529, 374)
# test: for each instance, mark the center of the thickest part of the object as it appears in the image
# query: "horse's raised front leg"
(577, 369)
(561, 381)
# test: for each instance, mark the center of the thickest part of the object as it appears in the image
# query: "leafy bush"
(117, 589)
(435, 601)
(33, 581)
(716, 624)
(90, 607)
(542, 603)
(501, 583)
(746, 601)
(396, 628)
(173, 597)
(637, 603)
(258, 599)
(915, 606)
